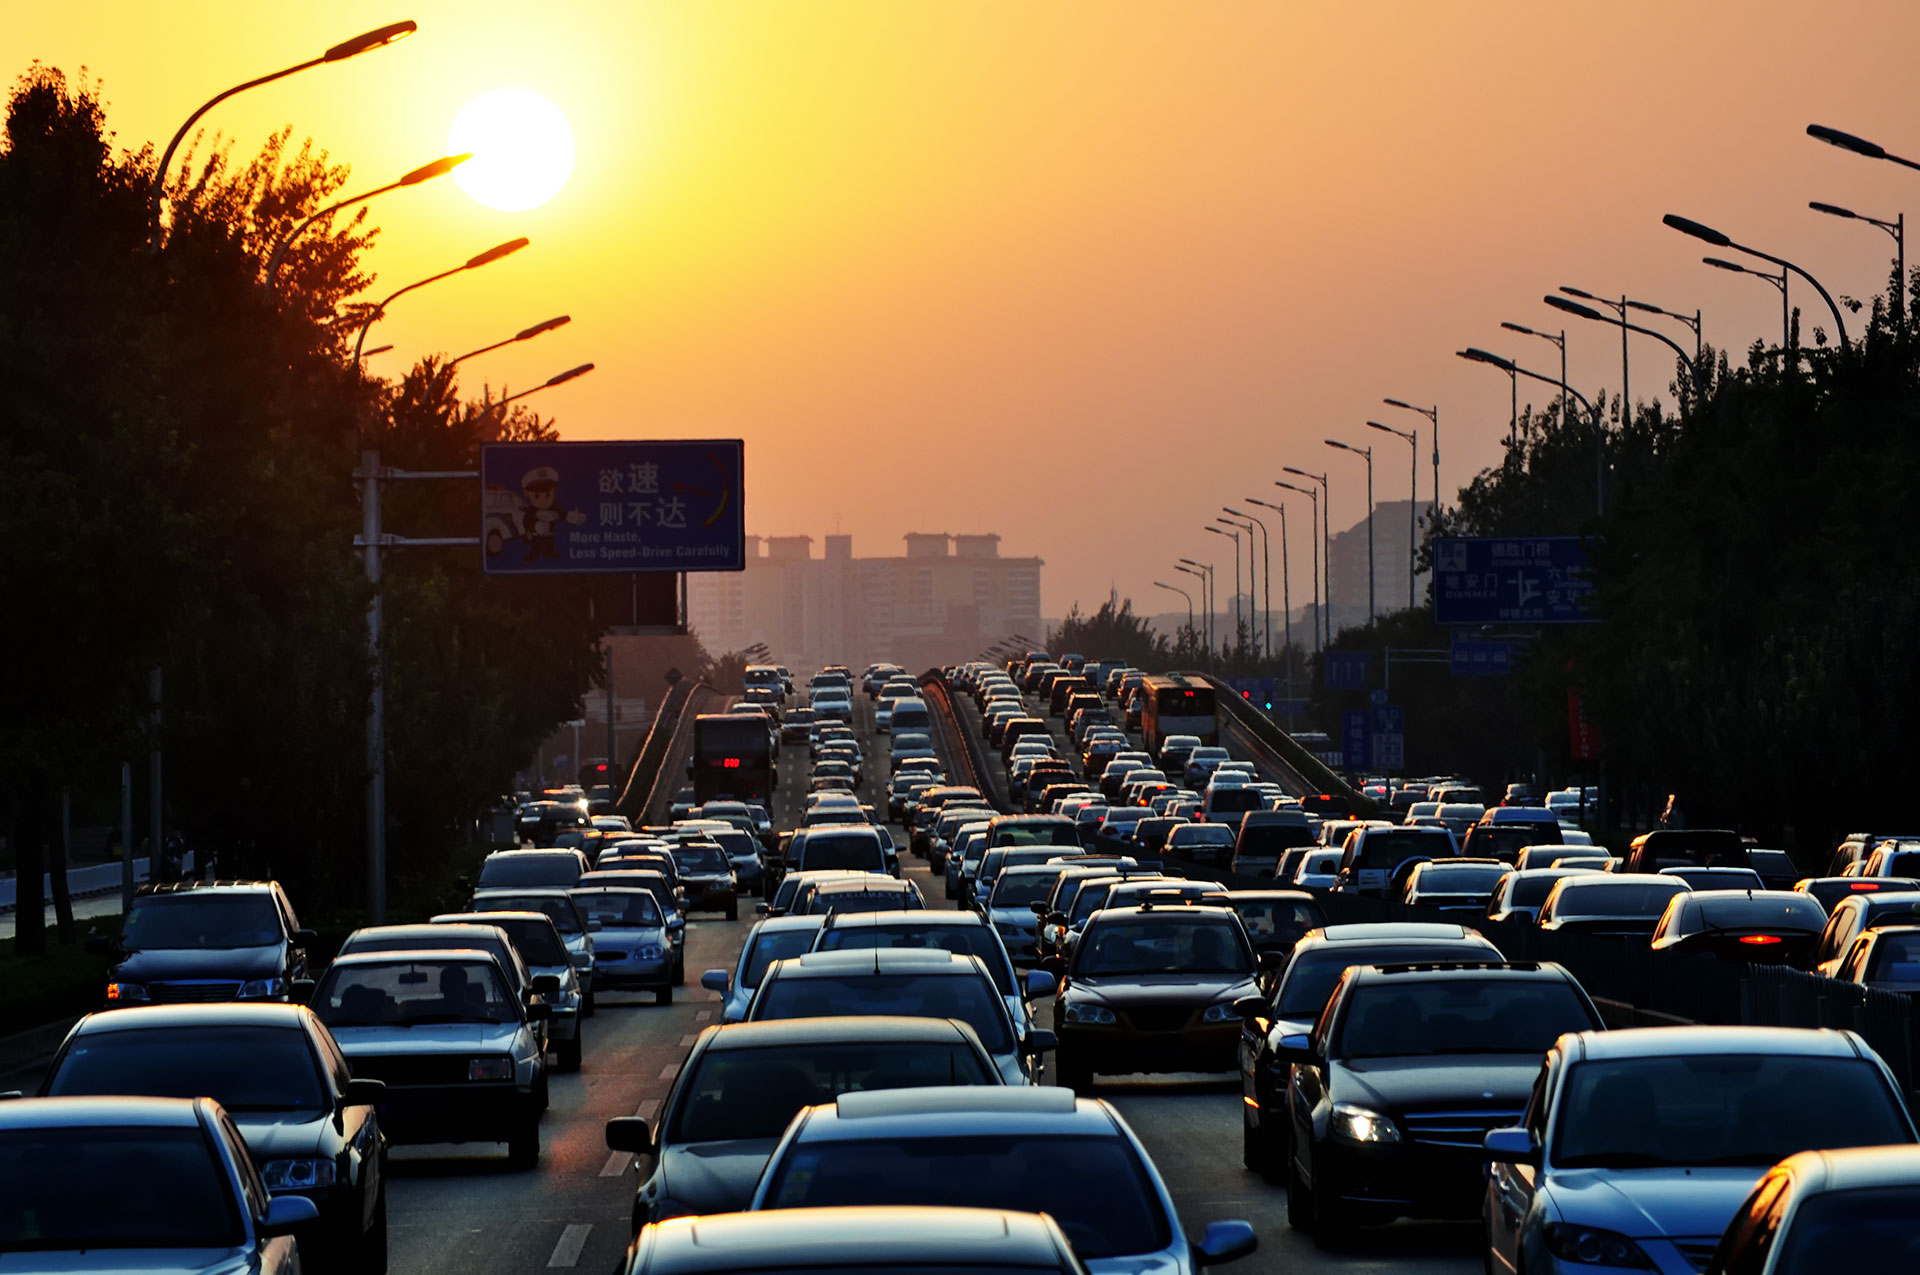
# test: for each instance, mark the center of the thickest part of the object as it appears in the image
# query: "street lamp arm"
(438, 168)
(1819, 287)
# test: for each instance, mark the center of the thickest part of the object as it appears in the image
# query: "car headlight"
(1358, 1124)
(126, 994)
(1593, 1246)
(297, 1175)
(1082, 1013)
(1224, 1012)
(489, 1069)
(260, 987)
(650, 952)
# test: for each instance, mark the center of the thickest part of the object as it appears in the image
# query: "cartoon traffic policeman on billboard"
(534, 515)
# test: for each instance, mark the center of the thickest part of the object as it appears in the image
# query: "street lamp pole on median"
(1326, 547)
(426, 172)
(1413, 493)
(1286, 589)
(1171, 588)
(1561, 342)
(1238, 615)
(524, 334)
(1313, 543)
(486, 258)
(379, 37)
(1588, 312)
(1265, 617)
(1896, 228)
(1365, 453)
(1203, 572)
(1687, 226)
(1474, 355)
(1777, 280)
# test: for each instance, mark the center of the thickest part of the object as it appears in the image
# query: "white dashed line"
(616, 1164)
(669, 1071)
(686, 1042)
(646, 1109)
(704, 1016)
(567, 1251)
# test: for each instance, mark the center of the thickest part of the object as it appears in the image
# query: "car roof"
(861, 1235)
(456, 920)
(1586, 879)
(224, 1014)
(1855, 1168)
(915, 918)
(1291, 896)
(881, 960)
(1463, 971)
(103, 1112)
(469, 954)
(830, 1029)
(957, 1111)
(439, 931)
(1387, 932)
(530, 852)
(1519, 814)
(203, 887)
(1667, 1042)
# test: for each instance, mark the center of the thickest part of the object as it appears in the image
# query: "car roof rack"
(1430, 967)
(178, 887)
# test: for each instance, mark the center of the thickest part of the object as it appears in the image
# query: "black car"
(1749, 927)
(1152, 988)
(540, 821)
(194, 942)
(1456, 888)
(741, 1085)
(1392, 1094)
(1275, 920)
(311, 1129)
(1292, 994)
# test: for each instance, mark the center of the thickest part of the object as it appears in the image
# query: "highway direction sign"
(1510, 580)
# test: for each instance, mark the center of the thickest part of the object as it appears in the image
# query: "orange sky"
(1073, 272)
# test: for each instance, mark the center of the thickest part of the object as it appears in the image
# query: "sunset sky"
(1077, 273)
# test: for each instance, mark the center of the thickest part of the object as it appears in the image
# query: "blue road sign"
(1345, 670)
(1510, 580)
(561, 508)
(1389, 751)
(1389, 719)
(1356, 739)
(1289, 707)
(1481, 659)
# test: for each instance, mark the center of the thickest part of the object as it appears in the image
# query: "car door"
(1511, 1186)
(359, 1126)
(277, 1256)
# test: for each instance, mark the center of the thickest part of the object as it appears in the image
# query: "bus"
(1176, 704)
(732, 759)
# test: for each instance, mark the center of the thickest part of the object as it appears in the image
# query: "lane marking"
(686, 1042)
(616, 1165)
(704, 1016)
(669, 1071)
(567, 1251)
(646, 1109)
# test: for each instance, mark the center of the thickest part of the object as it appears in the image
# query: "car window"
(410, 993)
(201, 921)
(771, 946)
(1875, 1228)
(243, 1068)
(967, 997)
(167, 1190)
(1310, 976)
(1395, 1017)
(1125, 948)
(738, 1094)
(620, 907)
(1536, 1114)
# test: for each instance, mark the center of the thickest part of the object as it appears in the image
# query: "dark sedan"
(1275, 920)
(1751, 927)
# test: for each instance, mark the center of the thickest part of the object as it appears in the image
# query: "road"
(459, 1210)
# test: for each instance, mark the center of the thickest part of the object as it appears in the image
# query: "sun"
(522, 149)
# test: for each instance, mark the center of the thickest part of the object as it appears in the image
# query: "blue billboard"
(1510, 580)
(1345, 670)
(1470, 658)
(1356, 739)
(561, 508)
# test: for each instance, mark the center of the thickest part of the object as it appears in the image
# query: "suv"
(1264, 836)
(1504, 831)
(1373, 853)
(205, 941)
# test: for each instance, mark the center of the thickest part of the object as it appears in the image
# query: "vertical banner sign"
(1389, 737)
(565, 508)
(1356, 739)
(1583, 737)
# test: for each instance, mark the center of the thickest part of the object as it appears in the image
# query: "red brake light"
(730, 763)
(1864, 885)
(1759, 939)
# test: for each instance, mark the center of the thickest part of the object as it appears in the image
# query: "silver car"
(774, 939)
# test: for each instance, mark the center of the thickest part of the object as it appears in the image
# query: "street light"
(1691, 320)
(1897, 228)
(1413, 493)
(1238, 616)
(1266, 549)
(486, 258)
(1858, 145)
(426, 172)
(1159, 584)
(1203, 572)
(1253, 587)
(1560, 341)
(524, 334)
(561, 379)
(1688, 226)
(1367, 454)
(1588, 312)
(1286, 589)
(1433, 415)
(1313, 544)
(1325, 507)
(1481, 356)
(1777, 280)
(379, 37)
(378, 349)
(1599, 433)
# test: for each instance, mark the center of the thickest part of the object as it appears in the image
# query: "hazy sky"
(1072, 272)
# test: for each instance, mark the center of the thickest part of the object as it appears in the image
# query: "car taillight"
(730, 763)
(1760, 940)
(1864, 885)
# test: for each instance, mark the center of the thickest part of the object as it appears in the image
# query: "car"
(1275, 920)
(997, 859)
(797, 725)
(1775, 868)
(1502, 832)
(1391, 1095)
(1855, 915)
(539, 822)
(1532, 857)
(1863, 1202)
(1266, 835)
(1519, 892)
(633, 947)
(1371, 853)
(870, 894)
(519, 869)
(963, 933)
(666, 895)
(707, 879)
(195, 941)
(185, 1195)
(782, 902)
(1152, 988)
(857, 1241)
(1688, 847)
(310, 1127)
(1892, 859)
(560, 908)
(741, 1085)
(846, 846)
(1202, 844)
(1453, 888)
(1074, 1160)
(815, 882)
(1618, 904)
(1317, 870)
(1831, 891)
(455, 1047)
(902, 982)
(479, 936)
(1637, 1146)
(1886, 957)
(1716, 878)
(1747, 927)
(772, 939)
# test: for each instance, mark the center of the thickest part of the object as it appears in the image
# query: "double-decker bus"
(1176, 704)
(732, 758)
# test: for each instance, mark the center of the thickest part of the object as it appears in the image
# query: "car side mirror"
(763, 909)
(1294, 1046)
(300, 991)
(1225, 1242)
(1039, 1041)
(676, 922)
(594, 927)
(1040, 983)
(546, 984)
(362, 1091)
(286, 1213)
(96, 944)
(1510, 1146)
(630, 1133)
(1272, 962)
(719, 981)
(1251, 1007)
(539, 1012)
(1039, 910)
(305, 937)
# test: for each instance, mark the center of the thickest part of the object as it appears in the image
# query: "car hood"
(428, 1038)
(713, 1177)
(1162, 1262)
(1159, 988)
(150, 1261)
(1022, 918)
(1649, 1203)
(628, 936)
(159, 964)
(272, 1135)
(1398, 1083)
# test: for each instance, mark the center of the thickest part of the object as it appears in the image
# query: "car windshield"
(1878, 1228)
(243, 1068)
(1023, 889)
(536, 941)
(622, 908)
(1270, 919)
(1896, 959)
(558, 908)
(1707, 1109)
(859, 898)
(1466, 879)
(967, 997)
(201, 921)
(1391, 849)
(410, 993)
(529, 869)
(1172, 946)
(740, 1094)
(1529, 891)
(1095, 1187)
(1051, 833)
(1624, 898)
(696, 860)
(1200, 834)
(843, 850)
(1393, 1018)
(961, 940)
(165, 1186)
(1310, 976)
(774, 945)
